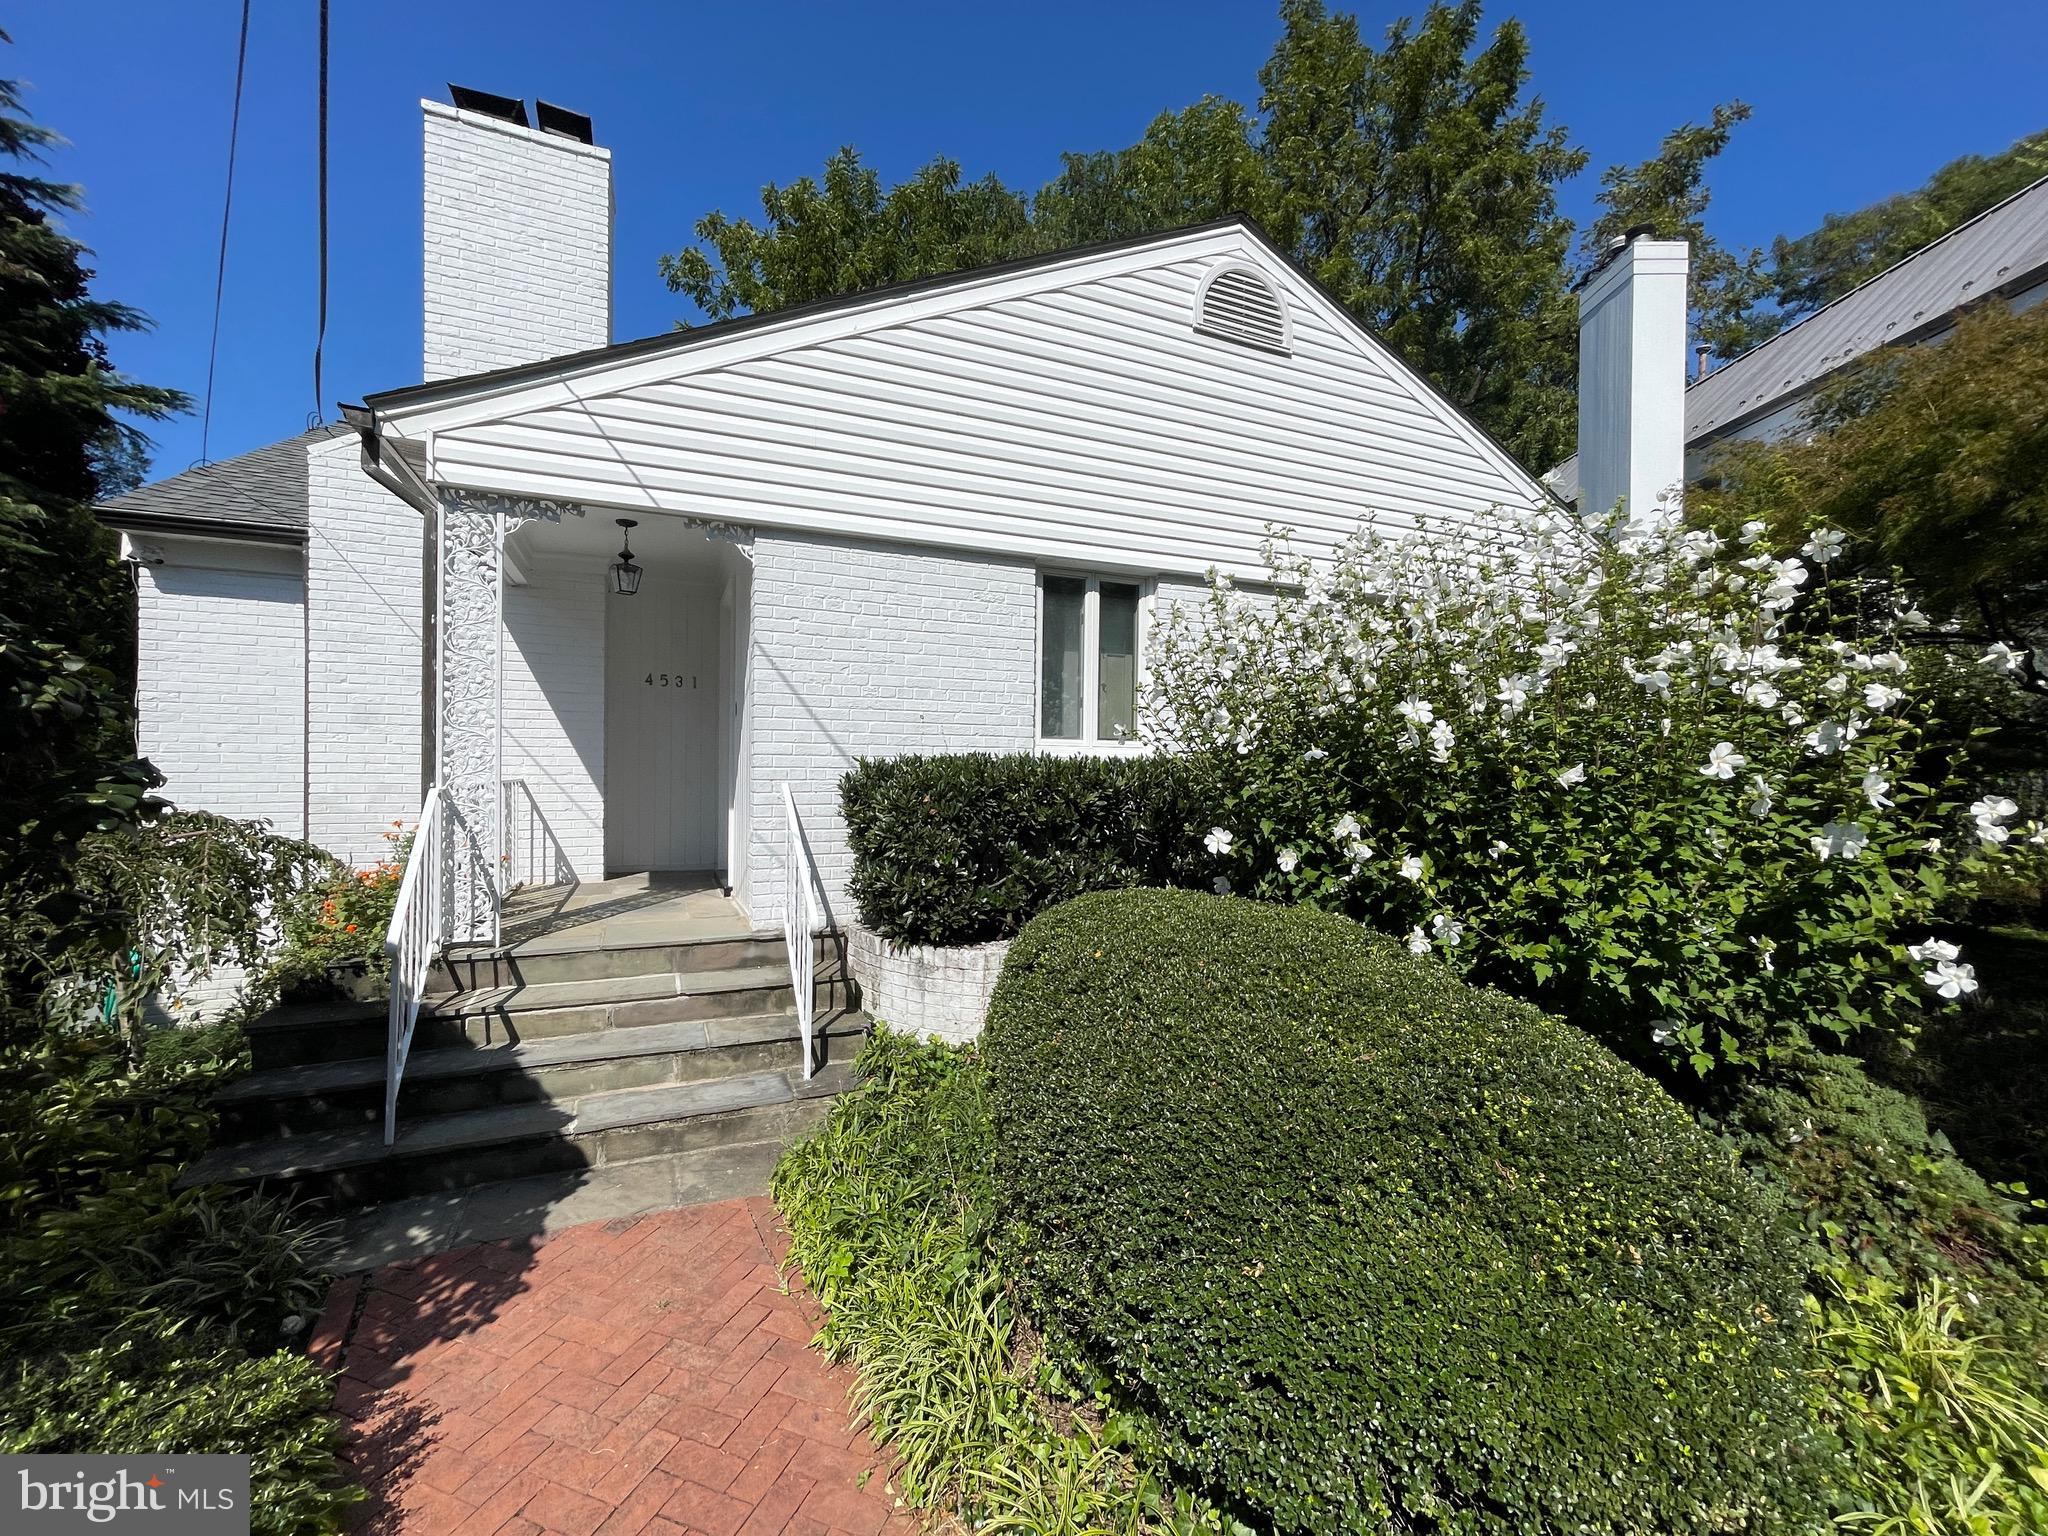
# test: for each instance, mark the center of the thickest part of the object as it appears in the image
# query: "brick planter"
(926, 989)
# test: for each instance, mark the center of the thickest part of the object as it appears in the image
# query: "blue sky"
(702, 104)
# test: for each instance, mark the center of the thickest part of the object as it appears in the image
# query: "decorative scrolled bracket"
(468, 706)
(739, 535)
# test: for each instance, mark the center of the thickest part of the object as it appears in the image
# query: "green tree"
(1191, 166)
(1669, 193)
(65, 731)
(1935, 460)
(846, 235)
(1851, 248)
(1420, 181)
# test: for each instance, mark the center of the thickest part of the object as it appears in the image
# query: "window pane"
(1116, 713)
(1059, 668)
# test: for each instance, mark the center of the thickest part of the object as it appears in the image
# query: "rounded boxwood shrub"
(1376, 1250)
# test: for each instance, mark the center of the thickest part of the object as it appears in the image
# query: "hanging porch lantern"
(625, 574)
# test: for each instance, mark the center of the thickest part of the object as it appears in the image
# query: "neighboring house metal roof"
(259, 494)
(2002, 251)
(1997, 252)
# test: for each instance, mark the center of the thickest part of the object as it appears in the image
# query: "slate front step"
(545, 1010)
(598, 1130)
(324, 1096)
(542, 960)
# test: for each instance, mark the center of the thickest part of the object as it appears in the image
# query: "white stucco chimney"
(1632, 377)
(518, 257)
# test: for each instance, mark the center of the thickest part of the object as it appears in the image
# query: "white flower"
(1761, 694)
(1287, 859)
(1876, 788)
(1766, 954)
(1828, 737)
(1218, 841)
(1440, 739)
(1222, 886)
(1841, 839)
(1951, 979)
(1663, 1034)
(1415, 711)
(1723, 761)
(1576, 774)
(1411, 868)
(1358, 851)
(1989, 812)
(1932, 845)
(1345, 826)
(1751, 532)
(1655, 679)
(1497, 849)
(2003, 657)
(1760, 803)
(1314, 755)
(1825, 544)
(1513, 695)
(1931, 948)
(1447, 930)
(1882, 695)
(1418, 941)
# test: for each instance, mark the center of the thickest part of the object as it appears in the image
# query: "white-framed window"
(1091, 644)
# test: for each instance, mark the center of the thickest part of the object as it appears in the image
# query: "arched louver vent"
(1238, 304)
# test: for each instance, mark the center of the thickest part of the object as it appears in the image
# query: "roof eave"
(411, 396)
(200, 527)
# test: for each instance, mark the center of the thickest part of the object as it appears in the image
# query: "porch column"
(469, 732)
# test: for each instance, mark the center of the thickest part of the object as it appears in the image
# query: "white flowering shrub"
(1676, 791)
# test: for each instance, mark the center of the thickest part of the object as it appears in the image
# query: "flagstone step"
(310, 1097)
(514, 1013)
(473, 1147)
(572, 957)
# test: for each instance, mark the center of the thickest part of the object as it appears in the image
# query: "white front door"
(663, 682)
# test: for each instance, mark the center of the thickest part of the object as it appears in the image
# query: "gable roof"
(2000, 252)
(261, 494)
(408, 397)
(1070, 408)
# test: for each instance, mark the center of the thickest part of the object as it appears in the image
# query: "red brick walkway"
(645, 1376)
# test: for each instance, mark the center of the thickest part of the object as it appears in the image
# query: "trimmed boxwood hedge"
(962, 848)
(1377, 1250)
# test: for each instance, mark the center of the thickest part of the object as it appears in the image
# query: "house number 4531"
(666, 680)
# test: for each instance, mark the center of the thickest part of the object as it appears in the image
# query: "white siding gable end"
(1072, 411)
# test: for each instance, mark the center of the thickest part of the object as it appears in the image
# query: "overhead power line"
(320, 338)
(227, 205)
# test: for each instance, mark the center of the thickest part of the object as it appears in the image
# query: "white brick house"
(932, 517)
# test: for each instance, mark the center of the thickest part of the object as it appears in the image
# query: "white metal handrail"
(413, 942)
(530, 853)
(800, 918)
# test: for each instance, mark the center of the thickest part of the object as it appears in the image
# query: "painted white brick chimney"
(1632, 378)
(518, 243)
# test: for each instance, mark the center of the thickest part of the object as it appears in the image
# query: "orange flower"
(351, 927)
